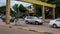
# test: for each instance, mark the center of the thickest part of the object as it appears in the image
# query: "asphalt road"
(6, 30)
(45, 27)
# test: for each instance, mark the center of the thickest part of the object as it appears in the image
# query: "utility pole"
(7, 11)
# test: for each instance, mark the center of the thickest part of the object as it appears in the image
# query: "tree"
(44, 0)
(56, 2)
(52, 1)
(22, 10)
(49, 1)
(3, 9)
(15, 7)
(12, 13)
(38, 9)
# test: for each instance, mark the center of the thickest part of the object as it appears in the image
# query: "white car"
(32, 19)
(55, 23)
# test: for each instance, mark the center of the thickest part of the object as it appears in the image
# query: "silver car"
(33, 20)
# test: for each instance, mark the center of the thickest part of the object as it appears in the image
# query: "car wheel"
(54, 26)
(36, 23)
(26, 22)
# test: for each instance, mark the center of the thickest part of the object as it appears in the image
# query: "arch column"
(43, 13)
(53, 13)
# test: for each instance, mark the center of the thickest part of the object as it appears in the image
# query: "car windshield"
(35, 18)
(40, 17)
(58, 20)
(31, 17)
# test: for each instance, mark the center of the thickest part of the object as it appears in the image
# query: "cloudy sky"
(3, 2)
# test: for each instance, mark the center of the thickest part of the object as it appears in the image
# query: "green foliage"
(22, 8)
(58, 1)
(3, 9)
(48, 1)
(15, 7)
(44, 0)
(37, 11)
(19, 10)
(52, 1)
(12, 13)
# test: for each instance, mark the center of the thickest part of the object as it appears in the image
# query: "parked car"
(0, 16)
(55, 23)
(33, 20)
(40, 17)
(4, 18)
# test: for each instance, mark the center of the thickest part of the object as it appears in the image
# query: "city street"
(45, 27)
(29, 17)
(6, 30)
(21, 24)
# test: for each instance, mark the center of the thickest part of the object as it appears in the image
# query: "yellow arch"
(30, 1)
(39, 3)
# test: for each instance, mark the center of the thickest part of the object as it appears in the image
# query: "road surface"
(45, 27)
(6, 30)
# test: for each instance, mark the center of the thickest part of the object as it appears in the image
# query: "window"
(58, 20)
(29, 17)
